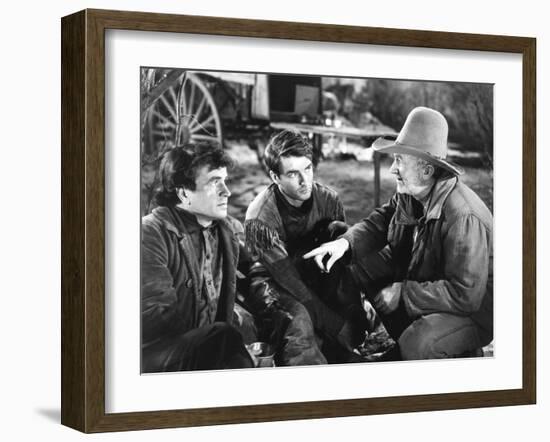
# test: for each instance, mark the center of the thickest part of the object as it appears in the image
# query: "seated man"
(425, 258)
(284, 221)
(190, 251)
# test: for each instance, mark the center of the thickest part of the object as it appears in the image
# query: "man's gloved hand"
(275, 322)
(261, 295)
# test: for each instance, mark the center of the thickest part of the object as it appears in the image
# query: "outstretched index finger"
(313, 253)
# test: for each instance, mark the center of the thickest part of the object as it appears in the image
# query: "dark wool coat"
(170, 275)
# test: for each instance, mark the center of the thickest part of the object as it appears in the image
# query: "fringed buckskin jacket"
(276, 243)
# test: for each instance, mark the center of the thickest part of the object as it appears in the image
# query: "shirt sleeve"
(466, 254)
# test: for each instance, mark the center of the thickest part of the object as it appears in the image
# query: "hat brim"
(385, 145)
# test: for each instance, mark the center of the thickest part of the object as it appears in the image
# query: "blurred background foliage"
(468, 107)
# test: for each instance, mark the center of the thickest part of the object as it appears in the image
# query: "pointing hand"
(334, 249)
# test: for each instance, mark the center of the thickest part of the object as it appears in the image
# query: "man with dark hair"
(289, 217)
(190, 251)
(425, 258)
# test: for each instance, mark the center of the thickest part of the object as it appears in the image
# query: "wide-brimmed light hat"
(424, 135)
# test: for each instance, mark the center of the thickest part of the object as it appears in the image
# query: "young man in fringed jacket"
(302, 304)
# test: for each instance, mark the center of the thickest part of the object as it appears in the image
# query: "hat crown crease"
(426, 130)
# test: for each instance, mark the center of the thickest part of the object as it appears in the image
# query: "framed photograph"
(180, 204)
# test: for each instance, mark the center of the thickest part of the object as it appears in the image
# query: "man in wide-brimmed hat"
(424, 260)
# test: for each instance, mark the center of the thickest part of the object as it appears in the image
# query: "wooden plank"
(370, 131)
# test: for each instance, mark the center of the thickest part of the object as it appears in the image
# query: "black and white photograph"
(301, 220)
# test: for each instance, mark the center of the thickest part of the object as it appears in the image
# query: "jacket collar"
(405, 207)
(170, 219)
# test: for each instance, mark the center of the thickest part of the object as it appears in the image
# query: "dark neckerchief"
(189, 222)
(284, 205)
(293, 217)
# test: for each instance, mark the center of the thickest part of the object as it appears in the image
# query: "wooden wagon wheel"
(184, 112)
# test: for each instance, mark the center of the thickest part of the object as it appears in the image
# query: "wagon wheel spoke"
(169, 107)
(181, 104)
(201, 106)
(196, 125)
(186, 111)
(161, 117)
(163, 126)
(162, 133)
(191, 99)
(203, 122)
(205, 138)
(173, 97)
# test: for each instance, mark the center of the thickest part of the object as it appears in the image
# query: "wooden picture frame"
(83, 220)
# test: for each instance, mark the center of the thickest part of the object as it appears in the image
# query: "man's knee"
(300, 345)
(417, 343)
(204, 348)
(222, 332)
(438, 336)
(300, 320)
